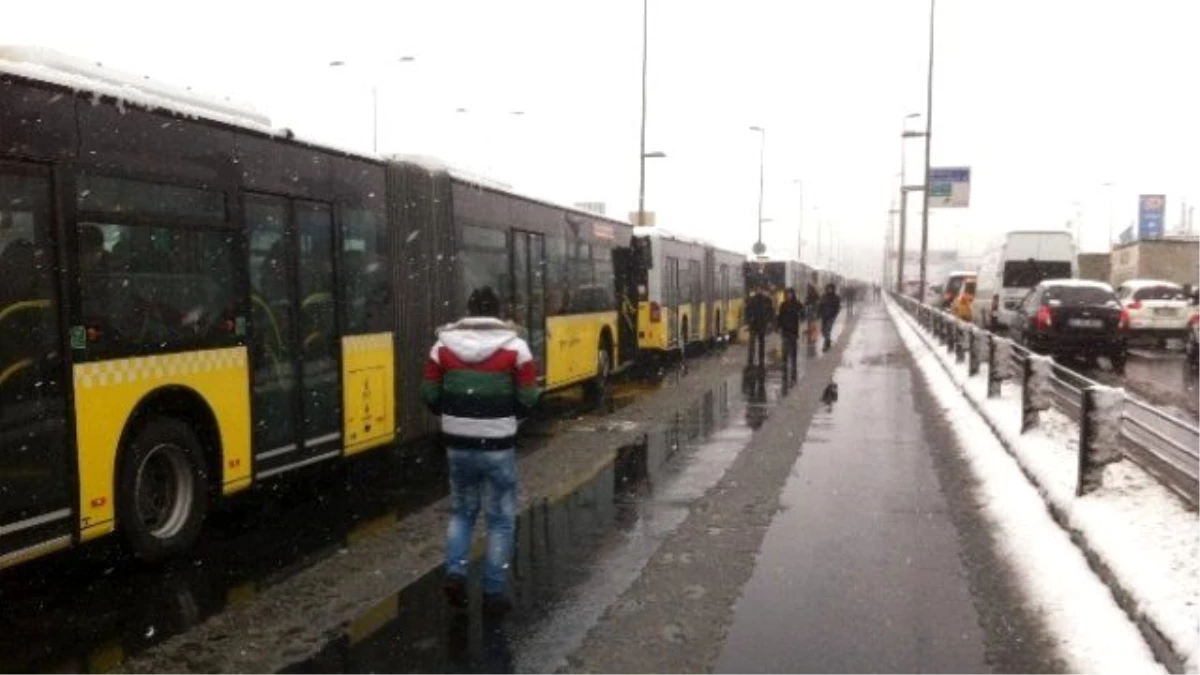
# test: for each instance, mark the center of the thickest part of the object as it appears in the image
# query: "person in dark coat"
(790, 311)
(829, 308)
(759, 314)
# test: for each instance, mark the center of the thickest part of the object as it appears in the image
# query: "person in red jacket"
(479, 378)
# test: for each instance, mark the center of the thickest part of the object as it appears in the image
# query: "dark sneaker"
(455, 589)
(496, 604)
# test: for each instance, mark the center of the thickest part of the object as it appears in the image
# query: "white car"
(1156, 309)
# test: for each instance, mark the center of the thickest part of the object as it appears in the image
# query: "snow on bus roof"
(666, 233)
(434, 164)
(51, 66)
(437, 164)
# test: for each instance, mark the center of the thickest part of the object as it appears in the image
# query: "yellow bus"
(691, 293)
(195, 303)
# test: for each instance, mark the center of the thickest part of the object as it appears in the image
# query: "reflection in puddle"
(574, 555)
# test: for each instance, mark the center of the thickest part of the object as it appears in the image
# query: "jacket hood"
(475, 338)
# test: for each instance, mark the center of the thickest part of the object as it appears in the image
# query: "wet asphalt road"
(868, 555)
(1161, 377)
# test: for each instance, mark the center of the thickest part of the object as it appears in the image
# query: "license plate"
(1164, 311)
(1085, 323)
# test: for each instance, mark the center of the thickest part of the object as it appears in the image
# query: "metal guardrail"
(1166, 447)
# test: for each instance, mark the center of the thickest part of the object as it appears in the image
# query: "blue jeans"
(470, 472)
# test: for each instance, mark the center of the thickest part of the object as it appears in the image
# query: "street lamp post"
(759, 247)
(374, 100)
(905, 134)
(928, 146)
(1109, 189)
(800, 226)
(642, 144)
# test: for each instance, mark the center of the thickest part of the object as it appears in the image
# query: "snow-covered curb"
(1092, 632)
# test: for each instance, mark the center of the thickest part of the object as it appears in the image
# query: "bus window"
(105, 194)
(271, 336)
(605, 280)
(557, 294)
(321, 377)
(149, 282)
(366, 266)
(147, 288)
(483, 261)
(33, 460)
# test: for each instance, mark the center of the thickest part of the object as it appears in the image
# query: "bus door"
(625, 272)
(294, 356)
(529, 291)
(36, 474)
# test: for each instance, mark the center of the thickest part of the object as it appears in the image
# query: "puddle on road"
(90, 609)
(574, 556)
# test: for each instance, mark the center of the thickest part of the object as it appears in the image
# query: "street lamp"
(759, 247)
(374, 99)
(905, 134)
(800, 226)
(928, 146)
(642, 143)
(1109, 189)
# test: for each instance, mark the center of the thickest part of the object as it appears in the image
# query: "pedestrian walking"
(790, 312)
(829, 308)
(479, 377)
(759, 314)
(812, 299)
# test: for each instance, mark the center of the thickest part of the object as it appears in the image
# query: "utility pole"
(800, 228)
(889, 242)
(928, 146)
(905, 134)
(642, 144)
(759, 247)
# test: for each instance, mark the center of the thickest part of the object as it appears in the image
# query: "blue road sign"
(950, 186)
(1151, 209)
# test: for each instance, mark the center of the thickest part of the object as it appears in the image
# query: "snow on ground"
(1140, 531)
(1094, 634)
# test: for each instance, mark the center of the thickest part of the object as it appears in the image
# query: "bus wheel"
(162, 494)
(597, 388)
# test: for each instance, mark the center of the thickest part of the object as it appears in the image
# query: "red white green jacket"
(479, 377)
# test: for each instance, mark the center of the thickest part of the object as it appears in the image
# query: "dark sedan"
(1069, 318)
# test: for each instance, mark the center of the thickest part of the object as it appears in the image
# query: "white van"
(1013, 266)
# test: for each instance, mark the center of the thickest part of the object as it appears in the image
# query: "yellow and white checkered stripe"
(148, 369)
(353, 344)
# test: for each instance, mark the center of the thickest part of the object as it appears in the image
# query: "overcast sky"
(1046, 100)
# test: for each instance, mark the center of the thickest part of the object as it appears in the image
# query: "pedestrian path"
(862, 568)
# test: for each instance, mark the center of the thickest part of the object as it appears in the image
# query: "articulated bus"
(691, 292)
(194, 303)
(777, 276)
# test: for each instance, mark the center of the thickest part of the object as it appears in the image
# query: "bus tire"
(597, 387)
(162, 490)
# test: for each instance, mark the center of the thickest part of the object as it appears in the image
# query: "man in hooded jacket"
(479, 377)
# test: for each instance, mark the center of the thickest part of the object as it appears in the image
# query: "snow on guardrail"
(1138, 535)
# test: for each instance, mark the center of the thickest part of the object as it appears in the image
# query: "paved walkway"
(876, 561)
